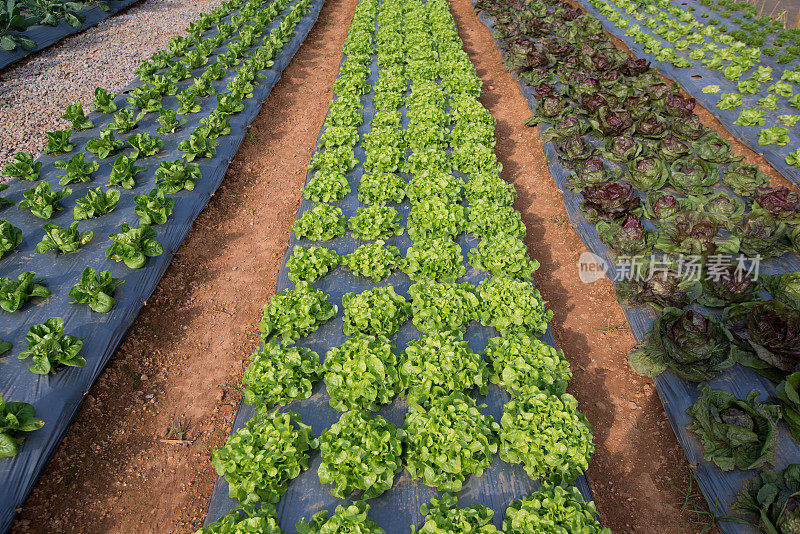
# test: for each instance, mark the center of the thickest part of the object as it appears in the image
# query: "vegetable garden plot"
(430, 354)
(42, 36)
(677, 393)
(56, 397)
(754, 90)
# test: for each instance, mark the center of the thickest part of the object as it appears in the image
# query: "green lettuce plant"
(375, 260)
(259, 460)
(15, 418)
(15, 293)
(42, 201)
(439, 364)
(153, 208)
(63, 240)
(48, 347)
(134, 245)
(96, 203)
(296, 313)
(311, 263)
(444, 515)
(360, 452)
(96, 290)
(378, 311)
(448, 440)
(517, 361)
(362, 373)
(278, 375)
(547, 434)
(23, 167)
(512, 305)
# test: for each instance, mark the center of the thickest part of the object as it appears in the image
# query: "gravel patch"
(35, 92)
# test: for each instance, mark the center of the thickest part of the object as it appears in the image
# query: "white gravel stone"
(35, 92)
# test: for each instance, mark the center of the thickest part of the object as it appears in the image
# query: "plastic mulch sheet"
(46, 36)
(695, 78)
(57, 397)
(398, 508)
(719, 488)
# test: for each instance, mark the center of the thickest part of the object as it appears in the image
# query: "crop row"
(49, 346)
(429, 141)
(655, 181)
(674, 34)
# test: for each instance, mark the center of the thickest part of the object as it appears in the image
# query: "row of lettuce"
(763, 84)
(237, 26)
(659, 184)
(429, 127)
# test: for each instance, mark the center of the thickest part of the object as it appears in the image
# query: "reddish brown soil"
(121, 469)
(114, 472)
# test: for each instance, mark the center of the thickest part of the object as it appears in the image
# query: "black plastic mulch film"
(46, 36)
(56, 397)
(694, 79)
(398, 508)
(719, 488)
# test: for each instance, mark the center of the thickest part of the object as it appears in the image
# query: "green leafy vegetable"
(350, 519)
(250, 519)
(375, 222)
(15, 417)
(14, 294)
(153, 208)
(75, 169)
(58, 142)
(124, 172)
(553, 508)
(278, 375)
(512, 305)
(103, 101)
(362, 373)
(448, 440)
(63, 240)
(96, 202)
(48, 346)
(518, 361)
(440, 364)
(547, 434)
(736, 434)
(374, 260)
(41, 201)
(134, 245)
(145, 145)
(434, 259)
(360, 452)
(104, 145)
(259, 460)
(10, 237)
(175, 176)
(442, 306)
(774, 135)
(23, 167)
(378, 311)
(311, 263)
(295, 313)
(96, 290)
(321, 223)
(443, 515)
(503, 255)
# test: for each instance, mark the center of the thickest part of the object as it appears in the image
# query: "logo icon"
(591, 268)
